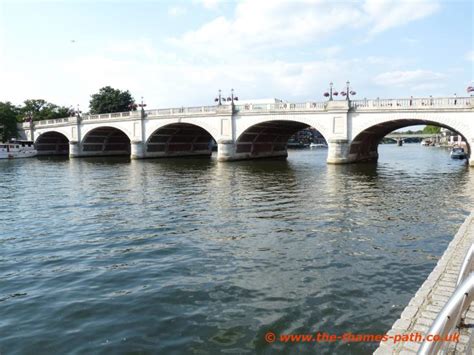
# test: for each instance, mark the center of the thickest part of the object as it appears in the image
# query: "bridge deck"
(432, 296)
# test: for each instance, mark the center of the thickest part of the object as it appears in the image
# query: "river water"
(192, 256)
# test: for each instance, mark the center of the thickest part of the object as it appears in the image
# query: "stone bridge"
(352, 128)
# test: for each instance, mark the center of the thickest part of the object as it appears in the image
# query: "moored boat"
(458, 153)
(17, 149)
(318, 145)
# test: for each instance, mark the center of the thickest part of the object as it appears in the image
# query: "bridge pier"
(137, 150)
(338, 151)
(228, 150)
(74, 149)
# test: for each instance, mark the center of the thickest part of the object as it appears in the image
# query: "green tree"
(109, 99)
(8, 120)
(431, 129)
(40, 109)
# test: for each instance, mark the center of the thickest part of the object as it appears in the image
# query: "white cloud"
(258, 26)
(210, 4)
(413, 79)
(470, 56)
(387, 14)
(177, 10)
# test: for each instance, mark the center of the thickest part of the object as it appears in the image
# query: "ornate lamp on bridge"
(330, 93)
(231, 98)
(77, 112)
(345, 93)
(348, 91)
(142, 105)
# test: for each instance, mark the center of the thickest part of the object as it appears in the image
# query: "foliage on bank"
(8, 118)
(109, 100)
(31, 110)
(106, 100)
(431, 129)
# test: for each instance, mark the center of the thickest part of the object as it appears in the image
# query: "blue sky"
(179, 53)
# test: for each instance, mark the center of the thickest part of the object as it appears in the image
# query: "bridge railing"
(49, 122)
(454, 311)
(103, 116)
(377, 104)
(410, 103)
(282, 106)
(182, 111)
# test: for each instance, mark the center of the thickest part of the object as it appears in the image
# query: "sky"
(179, 53)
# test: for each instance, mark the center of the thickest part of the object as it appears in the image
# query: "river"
(192, 256)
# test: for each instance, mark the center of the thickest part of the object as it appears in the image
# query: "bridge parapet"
(104, 116)
(282, 107)
(55, 122)
(410, 104)
(191, 111)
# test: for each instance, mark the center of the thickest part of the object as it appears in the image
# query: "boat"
(297, 145)
(318, 145)
(17, 149)
(425, 142)
(458, 153)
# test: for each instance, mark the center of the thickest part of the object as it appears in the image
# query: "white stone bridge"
(353, 129)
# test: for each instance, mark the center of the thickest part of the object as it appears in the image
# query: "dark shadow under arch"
(179, 139)
(106, 141)
(268, 138)
(52, 143)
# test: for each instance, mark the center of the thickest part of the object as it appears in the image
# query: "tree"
(431, 129)
(40, 109)
(109, 99)
(8, 120)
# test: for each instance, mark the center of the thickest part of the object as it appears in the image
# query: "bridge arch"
(106, 140)
(364, 145)
(179, 139)
(269, 138)
(52, 143)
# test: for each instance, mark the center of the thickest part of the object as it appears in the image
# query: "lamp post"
(219, 98)
(78, 112)
(142, 105)
(231, 98)
(347, 92)
(331, 92)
